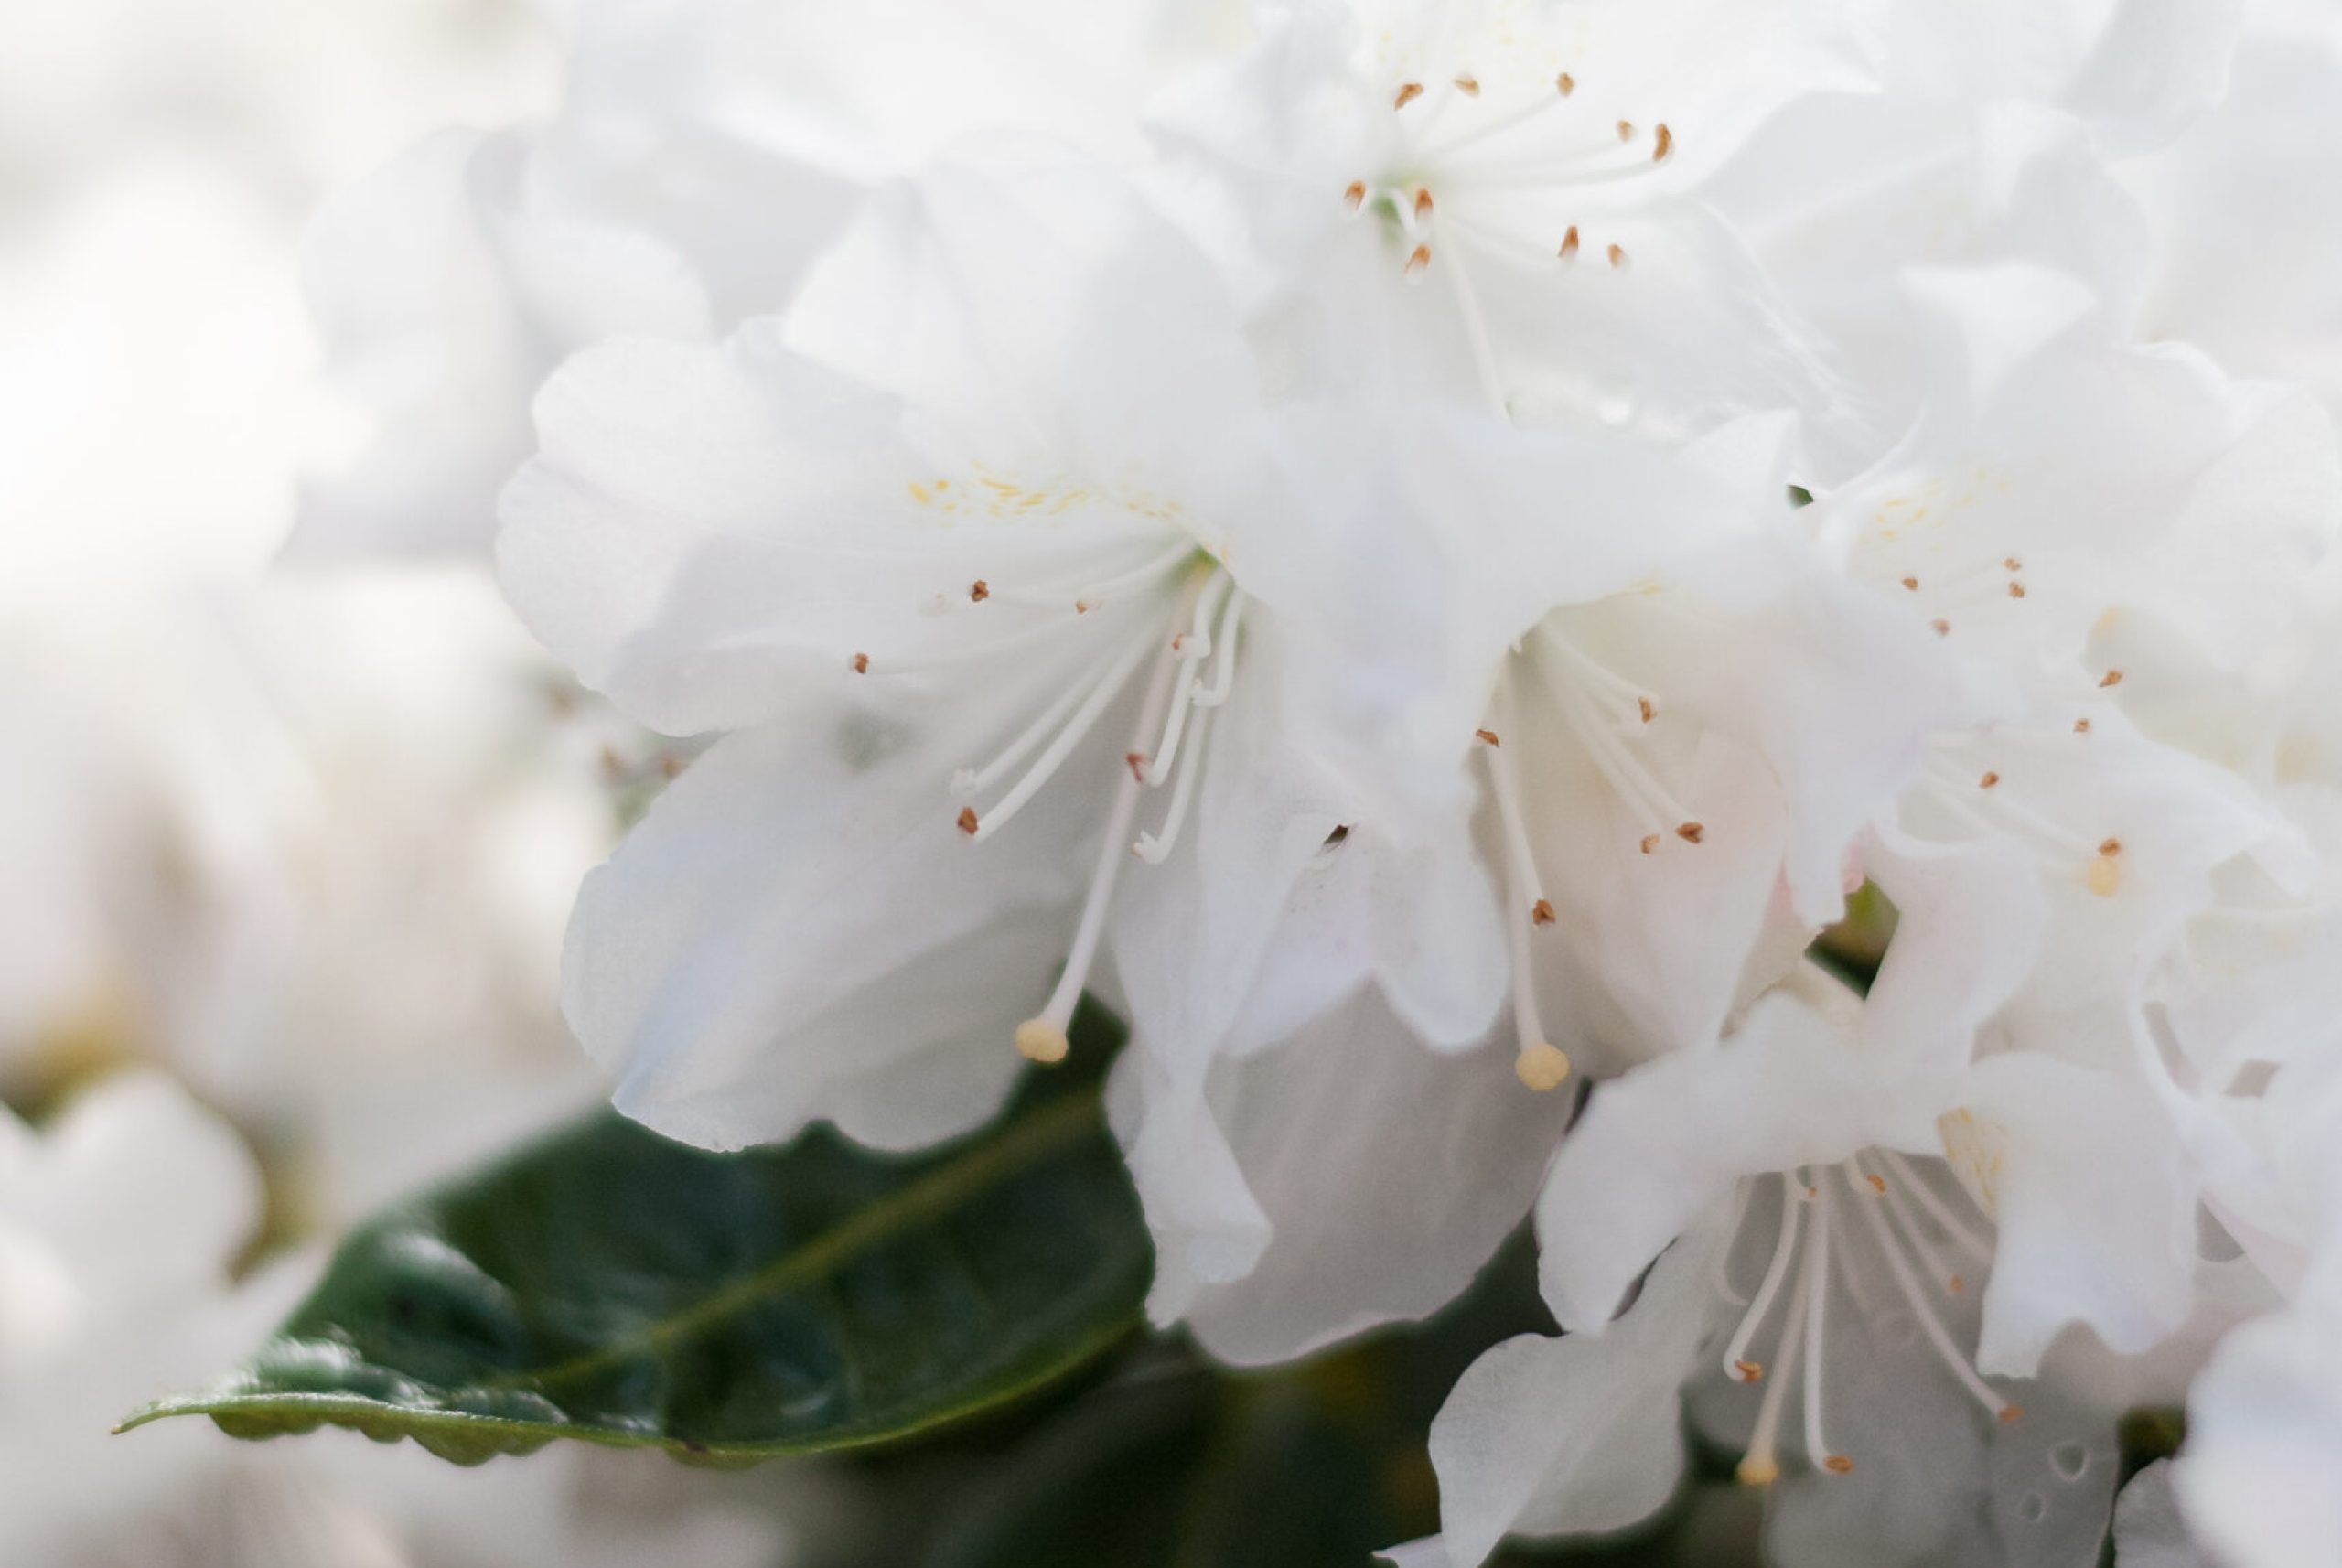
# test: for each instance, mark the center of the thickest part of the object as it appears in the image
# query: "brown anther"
(612, 763)
(1958, 1283)
(1408, 93)
(1569, 244)
(860, 662)
(1418, 261)
(1877, 1183)
(1689, 832)
(1081, 607)
(967, 819)
(1565, 84)
(1989, 779)
(1490, 735)
(2011, 1413)
(2012, 562)
(1542, 912)
(979, 591)
(2016, 590)
(1650, 842)
(1625, 130)
(1912, 583)
(1355, 197)
(2111, 678)
(2109, 848)
(1643, 707)
(1666, 143)
(1941, 627)
(2081, 726)
(1468, 85)
(1617, 255)
(1136, 762)
(1422, 204)
(669, 764)
(1837, 1464)
(1750, 1371)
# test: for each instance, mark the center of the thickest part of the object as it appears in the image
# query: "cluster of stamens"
(1607, 712)
(1891, 1205)
(1468, 165)
(1194, 671)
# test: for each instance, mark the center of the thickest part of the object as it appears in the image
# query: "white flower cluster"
(1421, 551)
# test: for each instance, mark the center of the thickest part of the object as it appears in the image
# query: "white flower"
(1853, 1234)
(703, 156)
(1533, 168)
(1003, 558)
(2058, 487)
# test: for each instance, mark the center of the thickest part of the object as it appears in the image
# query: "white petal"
(1387, 1175)
(1581, 1434)
(2097, 1216)
(798, 930)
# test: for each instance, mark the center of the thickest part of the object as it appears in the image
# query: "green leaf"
(610, 1286)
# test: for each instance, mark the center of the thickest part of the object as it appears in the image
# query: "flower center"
(1891, 1201)
(1193, 641)
(1467, 185)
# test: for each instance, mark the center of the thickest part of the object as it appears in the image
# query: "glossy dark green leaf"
(610, 1286)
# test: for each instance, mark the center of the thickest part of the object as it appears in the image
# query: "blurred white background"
(284, 852)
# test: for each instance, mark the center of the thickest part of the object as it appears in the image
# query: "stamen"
(1569, 244)
(1617, 255)
(1468, 86)
(1223, 642)
(1539, 1064)
(1475, 332)
(1191, 647)
(1521, 860)
(1735, 1354)
(1355, 197)
(1100, 591)
(2111, 678)
(1760, 1466)
(860, 662)
(1408, 93)
(1084, 718)
(1044, 1034)
(1422, 205)
(968, 781)
(1910, 1181)
(1906, 1225)
(1988, 780)
(1625, 130)
(1912, 583)
(1487, 736)
(1816, 1274)
(1154, 847)
(1417, 261)
(1925, 1311)
(1666, 143)
(1565, 84)
(979, 591)
(2081, 726)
